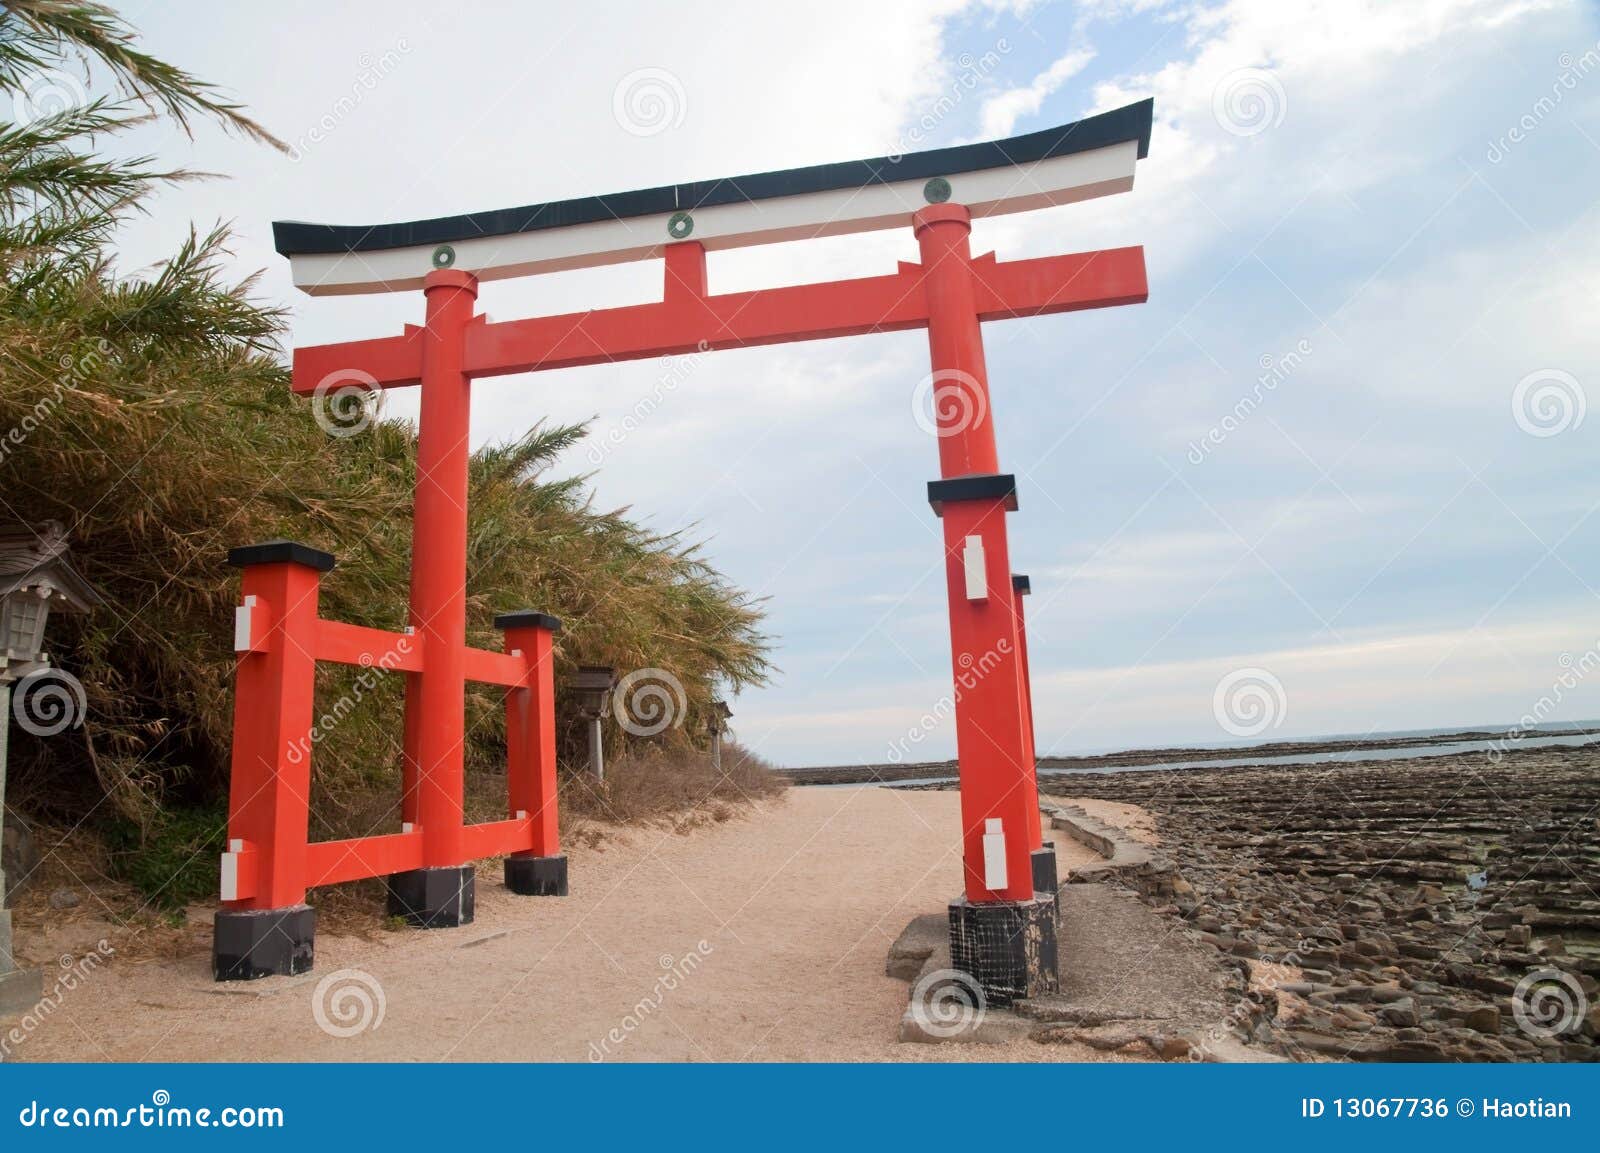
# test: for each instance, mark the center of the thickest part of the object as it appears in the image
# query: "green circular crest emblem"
(680, 225)
(444, 256)
(936, 191)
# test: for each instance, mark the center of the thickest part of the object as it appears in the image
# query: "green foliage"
(173, 860)
(151, 414)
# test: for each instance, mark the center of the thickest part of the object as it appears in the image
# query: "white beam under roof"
(832, 200)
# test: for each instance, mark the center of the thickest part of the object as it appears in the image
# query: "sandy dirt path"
(763, 938)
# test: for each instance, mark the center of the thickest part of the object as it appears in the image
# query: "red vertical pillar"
(440, 893)
(531, 756)
(1020, 588)
(265, 927)
(997, 772)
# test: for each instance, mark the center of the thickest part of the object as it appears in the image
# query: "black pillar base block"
(1009, 947)
(1044, 870)
(434, 898)
(537, 876)
(248, 944)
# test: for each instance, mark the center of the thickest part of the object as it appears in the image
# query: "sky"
(1336, 476)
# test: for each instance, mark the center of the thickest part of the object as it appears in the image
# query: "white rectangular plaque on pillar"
(994, 855)
(972, 565)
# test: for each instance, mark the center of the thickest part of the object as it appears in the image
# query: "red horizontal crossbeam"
(687, 320)
(371, 648)
(494, 668)
(330, 862)
(497, 838)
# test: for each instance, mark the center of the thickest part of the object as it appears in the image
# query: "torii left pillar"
(1003, 928)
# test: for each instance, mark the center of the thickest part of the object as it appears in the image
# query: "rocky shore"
(1426, 910)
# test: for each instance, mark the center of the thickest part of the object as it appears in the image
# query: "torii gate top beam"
(1089, 158)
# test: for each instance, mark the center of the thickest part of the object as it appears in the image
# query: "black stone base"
(249, 944)
(1009, 947)
(434, 898)
(1044, 870)
(537, 876)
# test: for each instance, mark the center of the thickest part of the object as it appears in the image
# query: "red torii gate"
(1003, 930)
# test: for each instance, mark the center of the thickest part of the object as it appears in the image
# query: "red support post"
(441, 892)
(265, 927)
(541, 870)
(1002, 931)
(1021, 587)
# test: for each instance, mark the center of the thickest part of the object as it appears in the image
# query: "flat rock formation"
(1439, 909)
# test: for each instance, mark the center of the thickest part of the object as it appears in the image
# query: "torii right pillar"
(1003, 927)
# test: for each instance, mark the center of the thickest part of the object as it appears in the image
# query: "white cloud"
(1001, 111)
